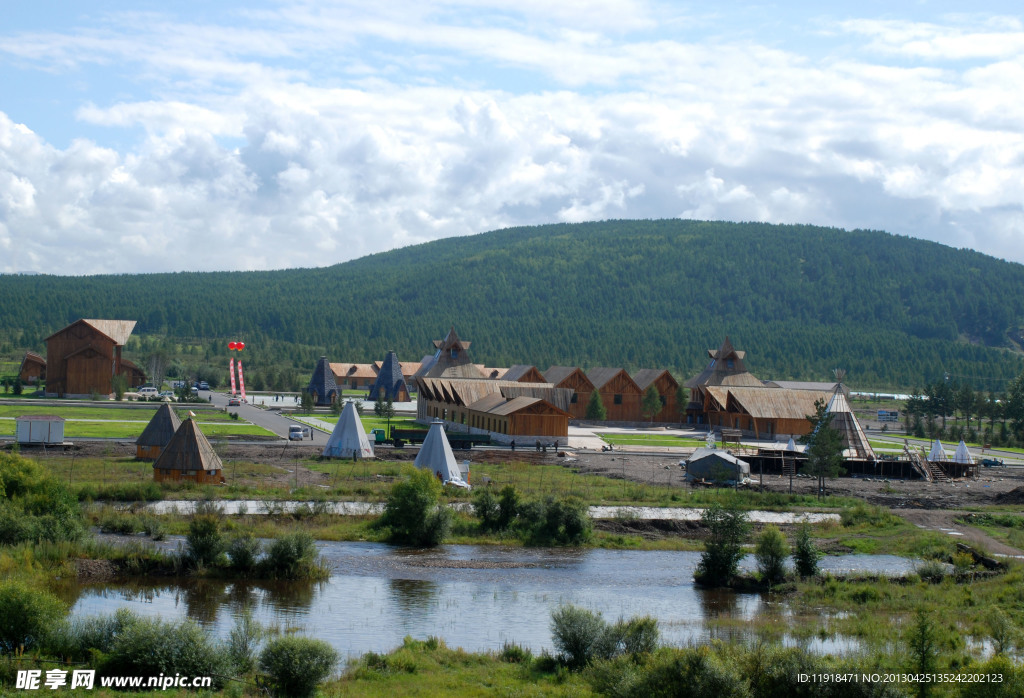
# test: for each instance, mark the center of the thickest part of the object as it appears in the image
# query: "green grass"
(144, 412)
(651, 440)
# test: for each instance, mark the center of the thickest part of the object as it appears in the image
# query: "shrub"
(727, 527)
(242, 642)
(34, 505)
(554, 521)
(805, 553)
(297, 665)
(576, 633)
(931, 571)
(293, 556)
(1005, 635)
(690, 672)
(204, 542)
(26, 615)
(515, 654)
(413, 513)
(923, 647)
(243, 553)
(78, 639)
(771, 552)
(151, 647)
(485, 507)
(508, 506)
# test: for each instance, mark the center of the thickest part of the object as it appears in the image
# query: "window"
(662, 400)
(617, 399)
(455, 353)
(573, 399)
(729, 363)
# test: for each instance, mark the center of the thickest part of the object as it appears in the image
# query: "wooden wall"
(203, 477)
(577, 382)
(629, 408)
(80, 360)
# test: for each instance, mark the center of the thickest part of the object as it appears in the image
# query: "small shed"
(158, 433)
(348, 440)
(189, 457)
(40, 429)
(713, 465)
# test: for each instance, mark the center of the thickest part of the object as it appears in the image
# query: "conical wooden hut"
(390, 383)
(158, 433)
(322, 385)
(189, 457)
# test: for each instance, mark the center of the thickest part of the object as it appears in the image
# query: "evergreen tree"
(651, 403)
(825, 447)
(595, 408)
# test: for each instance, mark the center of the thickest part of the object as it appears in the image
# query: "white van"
(147, 392)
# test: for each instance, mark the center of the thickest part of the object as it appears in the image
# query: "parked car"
(234, 401)
(148, 392)
(167, 393)
(203, 385)
(297, 432)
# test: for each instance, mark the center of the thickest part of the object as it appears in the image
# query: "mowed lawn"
(124, 422)
(651, 440)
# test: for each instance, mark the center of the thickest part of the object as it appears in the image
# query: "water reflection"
(472, 597)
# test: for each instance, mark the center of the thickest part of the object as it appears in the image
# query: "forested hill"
(799, 300)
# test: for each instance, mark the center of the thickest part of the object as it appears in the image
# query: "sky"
(141, 137)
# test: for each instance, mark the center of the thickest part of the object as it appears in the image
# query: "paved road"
(269, 418)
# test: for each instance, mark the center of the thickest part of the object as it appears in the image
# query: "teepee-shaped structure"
(845, 422)
(937, 454)
(436, 455)
(348, 437)
(189, 456)
(390, 383)
(158, 433)
(963, 454)
(322, 385)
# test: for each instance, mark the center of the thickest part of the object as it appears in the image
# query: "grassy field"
(651, 440)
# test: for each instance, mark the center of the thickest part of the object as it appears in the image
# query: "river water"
(475, 597)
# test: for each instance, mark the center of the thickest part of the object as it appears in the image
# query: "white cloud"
(247, 159)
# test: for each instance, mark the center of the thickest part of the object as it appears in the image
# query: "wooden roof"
(322, 383)
(769, 403)
(560, 374)
(160, 429)
(719, 372)
(117, 330)
(32, 358)
(346, 370)
(188, 449)
(601, 376)
(448, 366)
(645, 377)
(524, 373)
(467, 391)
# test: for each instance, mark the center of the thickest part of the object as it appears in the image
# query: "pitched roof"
(452, 359)
(348, 436)
(601, 376)
(645, 377)
(389, 378)
(322, 383)
(117, 330)
(845, 422)
(770, 403)
(33, 358)
(467, 391)
(188, 449)
(161, 428)
(343, 371)
(720, 372)
(520, 371)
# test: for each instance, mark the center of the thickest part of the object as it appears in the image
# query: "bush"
(805, 553)
(78, 639)
(508, 507)
(931, 571)
(515, 654)
(554, 521)
(582, 636)
(204, 542)
(297, 665)
(151, 647)
(413, 513)
(293, 556)
(576, 633)
(689, 672)
(727, 527)
(34, 505)
(242, 642)
(485, 507)
(771, 552)
(26, 616)
(243, 553)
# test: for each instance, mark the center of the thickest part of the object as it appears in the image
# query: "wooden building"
(668, 390)
(354, 376)
(726, 368)
(33, 368)
(391, 383)
(322, 385)
(504, 409)
(82, 358)
(573, 379)
(189, 457)
(619, 393)
(451, 360)
(762, 413)
(158, 433)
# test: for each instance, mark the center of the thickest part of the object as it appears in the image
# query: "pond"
(475, 597)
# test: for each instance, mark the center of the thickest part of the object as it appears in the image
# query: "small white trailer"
(40, 429)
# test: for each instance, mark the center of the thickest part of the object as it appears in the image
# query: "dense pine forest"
(893, 311)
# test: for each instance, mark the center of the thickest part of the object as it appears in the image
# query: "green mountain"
(801, 300)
